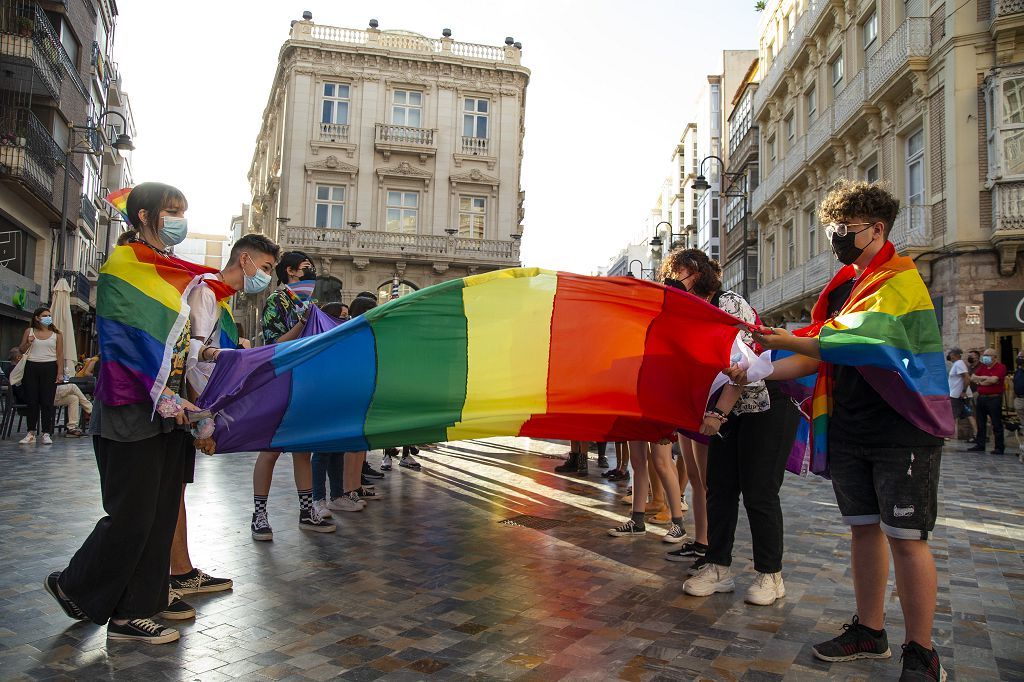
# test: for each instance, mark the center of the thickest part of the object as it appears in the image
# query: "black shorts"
(187, 444)
(896, 488)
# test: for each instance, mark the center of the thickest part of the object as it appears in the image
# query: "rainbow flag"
(522, 351)
(119, 200)
(141, 311)
(888, 330)
(303, 289)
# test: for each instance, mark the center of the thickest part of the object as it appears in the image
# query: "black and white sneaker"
(408, 462)
(693, 549)
(628, 529)
(69, 607)
(675, 534)
(142, 630)
(177, 608)
(261, 529)
(310, 520)
(366, 494)
(370, 472)
(196, 581)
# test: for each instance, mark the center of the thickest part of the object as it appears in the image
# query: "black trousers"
(750, 460)
(990, 407)
(40, 387)
(121, 569)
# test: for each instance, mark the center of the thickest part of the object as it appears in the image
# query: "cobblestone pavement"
(427, 583)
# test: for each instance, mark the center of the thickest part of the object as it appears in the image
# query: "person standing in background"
(43, 347)
(989, 380)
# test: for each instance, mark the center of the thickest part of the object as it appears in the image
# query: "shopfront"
(1004, 323)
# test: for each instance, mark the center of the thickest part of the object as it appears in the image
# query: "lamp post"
(629, 269)
(83, 145)
(701, 185)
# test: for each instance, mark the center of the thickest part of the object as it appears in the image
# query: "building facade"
(391, 157)
(56, 78)
(739, 237)
(923, 95)
(211, 250)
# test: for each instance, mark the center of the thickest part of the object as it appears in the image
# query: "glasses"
(843, 229)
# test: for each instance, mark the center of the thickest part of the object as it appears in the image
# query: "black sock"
(638, 519)
(678, 521)
(874, 633)
(185, 576)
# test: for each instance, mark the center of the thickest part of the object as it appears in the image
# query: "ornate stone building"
(925, 95)
(390, 157)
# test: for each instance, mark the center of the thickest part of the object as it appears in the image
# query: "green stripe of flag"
(916, 332)
(120, 301)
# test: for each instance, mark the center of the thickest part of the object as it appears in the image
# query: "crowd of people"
(135, 565)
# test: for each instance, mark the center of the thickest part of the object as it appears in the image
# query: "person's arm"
(730, 395)
(60, 358)
(26, 340)
(293, 333)
(793, 367)
(783, 339)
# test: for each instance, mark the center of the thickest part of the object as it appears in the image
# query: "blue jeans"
(327, 465)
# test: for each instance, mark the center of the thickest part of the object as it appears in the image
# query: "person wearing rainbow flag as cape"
(879, 413)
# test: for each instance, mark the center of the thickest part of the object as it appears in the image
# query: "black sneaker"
(261, 529)
(370, 472)
(976, 448)
(695, 567)
(855, 642)
(920, 664)
(367, 494)
(69, 607)
(692, 549)
(628, 529)
(617, 475)
(310, 520)
(142, 630)
(177, 608)
(602, 462)
(196, 581)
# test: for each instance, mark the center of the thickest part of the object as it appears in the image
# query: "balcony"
(907, 48)
(1008, 208)
(744, 148)
(769, 187)
(334, 132)
(88, 213)
(819, 133)
(80, 286)
(415, 247)
(912, 228)
(475, 146)
(32, 156)
(851, 99)
(394, 138)
(26, 34)
(100, 65)
(796, 158)
(803, 282)
(1005, 8)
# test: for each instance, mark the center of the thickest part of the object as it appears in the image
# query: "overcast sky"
(613, 83)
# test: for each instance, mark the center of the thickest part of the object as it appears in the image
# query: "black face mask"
(307, 274)
(675, 283)
(845, 248)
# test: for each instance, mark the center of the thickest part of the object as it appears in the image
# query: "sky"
(612, 86)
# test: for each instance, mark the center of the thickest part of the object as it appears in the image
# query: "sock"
(185, 576)
(638, 519)
(260, 502)
(876, 633)
(305, 502)
(678, 521)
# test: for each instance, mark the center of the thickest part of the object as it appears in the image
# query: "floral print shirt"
(755, 396)
(279, 316)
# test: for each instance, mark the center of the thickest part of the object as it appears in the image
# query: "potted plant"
(25, 27)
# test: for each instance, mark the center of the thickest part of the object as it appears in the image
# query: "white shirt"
(42, 350)
(204, 318)
(957, 379)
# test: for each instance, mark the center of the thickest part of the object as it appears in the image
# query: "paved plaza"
(429, 584)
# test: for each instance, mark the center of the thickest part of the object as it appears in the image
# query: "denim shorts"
(896, 488)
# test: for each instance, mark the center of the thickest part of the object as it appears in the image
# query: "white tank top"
(43, 350)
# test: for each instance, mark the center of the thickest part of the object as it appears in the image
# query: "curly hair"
(858, 199)
(707, 270)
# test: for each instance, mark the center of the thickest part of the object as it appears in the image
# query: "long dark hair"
(151, 197)
(290, 259)
(36, 324)
(707, 271)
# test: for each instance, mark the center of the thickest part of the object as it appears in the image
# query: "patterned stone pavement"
(428, 583)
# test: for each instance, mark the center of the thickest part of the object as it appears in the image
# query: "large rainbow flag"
(141, 311)
(521, 351)
(888, 330)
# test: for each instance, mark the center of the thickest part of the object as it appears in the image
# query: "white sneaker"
(710, 578)
(28, 439)
(766, 588)
(47, 440)
(346, 503)
(385, 462)
(321, 508)
(685, 507)
(675, 534)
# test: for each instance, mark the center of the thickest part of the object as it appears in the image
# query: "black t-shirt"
(859, 414)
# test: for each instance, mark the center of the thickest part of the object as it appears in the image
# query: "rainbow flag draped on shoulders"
(888, 330)
(517, 352)
(141, 313)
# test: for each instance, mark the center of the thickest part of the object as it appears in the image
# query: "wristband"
(169, 406)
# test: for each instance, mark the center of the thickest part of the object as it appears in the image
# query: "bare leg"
(302, 464)
(661, 456)
(180, 560)
(353, 470)
(641, 484)
(869, 559)
(696, 457)
(263, 473)
(917, 586)
(684, 479)
(620, 461)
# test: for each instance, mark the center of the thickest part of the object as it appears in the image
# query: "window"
(330, 206)
(772, 152)
(407, 108)
(388, 291)
(835, 69)
(812, 103)
(869, 29)
(474, 117)
(812, 233)
(915, 168)
(769, 247)
(790, 235)
(336, 101)
(771, 52)
(472, 216)
(402, 211)
(790, 127)
(871, 172)
(1012, 124)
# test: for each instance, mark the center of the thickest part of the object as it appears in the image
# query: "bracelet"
(716, 414)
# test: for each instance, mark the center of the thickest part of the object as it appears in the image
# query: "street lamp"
(702, 185)
(629, 269)
(123, 145)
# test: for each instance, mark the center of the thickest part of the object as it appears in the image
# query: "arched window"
(385, 291)
(328, 290)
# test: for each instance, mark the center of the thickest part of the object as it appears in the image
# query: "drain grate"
(535, 522)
